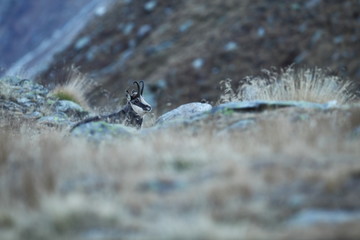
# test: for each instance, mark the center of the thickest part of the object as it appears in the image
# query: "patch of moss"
(182, 165)
(62, 95)
(228, 111)
(6, 221)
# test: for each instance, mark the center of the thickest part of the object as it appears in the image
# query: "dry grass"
(4, 90)
(312, 85)
(7, 91)
(202, 181)
(75, 88)
(174, 184)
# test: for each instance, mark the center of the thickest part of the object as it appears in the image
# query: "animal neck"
(127, 108)
(130, 111)
(132, 118)
(138, 110)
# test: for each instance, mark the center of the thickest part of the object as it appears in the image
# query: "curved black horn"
(142, 87)
(138, 86)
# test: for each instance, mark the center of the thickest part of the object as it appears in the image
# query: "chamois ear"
(138, 87)
(142, 87)
(128, 95)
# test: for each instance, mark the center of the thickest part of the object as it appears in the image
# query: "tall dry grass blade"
(75, 88)
(313, 85)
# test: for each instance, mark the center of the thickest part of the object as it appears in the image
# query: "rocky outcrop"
(99, 131)
(183, 113)
(25, 99)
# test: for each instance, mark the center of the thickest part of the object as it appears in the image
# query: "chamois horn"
(142, 87)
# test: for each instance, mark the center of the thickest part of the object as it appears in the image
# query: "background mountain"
(32, 31)
(182, 49)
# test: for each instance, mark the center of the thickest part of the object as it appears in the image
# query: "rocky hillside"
(266, 169)
(33, 32)
(183, 48)
(24, 24)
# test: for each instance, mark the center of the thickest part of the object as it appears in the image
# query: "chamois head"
(136, 100)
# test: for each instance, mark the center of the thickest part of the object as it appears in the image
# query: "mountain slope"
(184, 48)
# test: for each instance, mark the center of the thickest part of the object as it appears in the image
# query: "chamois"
(130, 115)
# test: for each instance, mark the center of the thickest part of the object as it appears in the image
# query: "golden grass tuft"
(290, 84)
(74, 89)
(6, 90)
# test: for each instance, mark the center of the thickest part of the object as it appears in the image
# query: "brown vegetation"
(177, 184)
(290, 84)
(204, 180)
(74, 88)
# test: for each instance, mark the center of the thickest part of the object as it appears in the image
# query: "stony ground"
(243, 170)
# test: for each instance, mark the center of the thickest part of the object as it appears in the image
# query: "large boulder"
(262, 105)
(98, 131)
(184, 112)
(70, 108)
(26, 99)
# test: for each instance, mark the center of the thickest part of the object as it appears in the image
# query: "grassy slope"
(203, 181)
(206, 185)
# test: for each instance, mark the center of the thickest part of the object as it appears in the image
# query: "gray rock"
(198, 63)
(127, 29)
(87, 183)
(355, 133)
(164, 185)
(70, 108)
(301, 57)
(11, 106)
(316, 36)
(186, 26)
(59, 119)
(34, 115)
(23, 100)
(82, 42)
(338, 39)
(100, 11)
(30, 100)
(259, 106)
(144, 30)
(150, 6)
(13, 80)
(312, 3)
(238, 126)
(242, 124)
(231, 46)
(98, 131)
(261, 32)
(159, 48)
(184, 112)
(309, 217)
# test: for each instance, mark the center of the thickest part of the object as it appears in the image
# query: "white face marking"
(138, 109)
(143, 101)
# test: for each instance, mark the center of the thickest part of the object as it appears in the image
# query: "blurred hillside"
(183, 48)
(25, 24)
(33, 31)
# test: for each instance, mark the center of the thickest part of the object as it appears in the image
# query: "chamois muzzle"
(148, 108)
(137, 102)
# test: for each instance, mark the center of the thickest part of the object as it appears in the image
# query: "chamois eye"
(136, 101)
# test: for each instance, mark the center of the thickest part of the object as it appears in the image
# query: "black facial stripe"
(139, 104)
